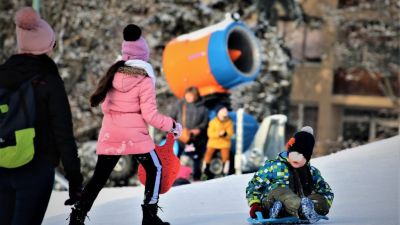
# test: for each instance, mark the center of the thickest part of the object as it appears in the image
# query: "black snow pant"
(105, 165)
(25, 193)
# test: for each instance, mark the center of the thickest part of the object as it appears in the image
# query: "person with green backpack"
(35, 126)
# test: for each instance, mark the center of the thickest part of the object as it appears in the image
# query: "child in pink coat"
(128, 101)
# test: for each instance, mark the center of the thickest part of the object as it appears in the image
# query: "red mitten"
(256, 207)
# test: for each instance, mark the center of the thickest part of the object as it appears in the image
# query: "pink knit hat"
(34, 35)
(134, 46)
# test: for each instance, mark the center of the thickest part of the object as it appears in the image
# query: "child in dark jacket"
(289, 185)
(25, 189)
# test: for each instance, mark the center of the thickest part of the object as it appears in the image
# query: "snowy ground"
(365, 181)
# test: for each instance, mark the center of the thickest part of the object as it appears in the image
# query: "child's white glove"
(176, 129)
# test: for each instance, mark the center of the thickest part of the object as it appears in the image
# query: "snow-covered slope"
(365, 181)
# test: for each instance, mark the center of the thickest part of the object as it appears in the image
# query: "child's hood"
(127, 78)
(283, 156)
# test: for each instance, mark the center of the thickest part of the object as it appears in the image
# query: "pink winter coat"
(128, 108)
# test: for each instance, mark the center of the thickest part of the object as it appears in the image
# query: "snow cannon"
(213, 59)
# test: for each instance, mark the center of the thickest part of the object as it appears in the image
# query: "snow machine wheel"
(216, 165)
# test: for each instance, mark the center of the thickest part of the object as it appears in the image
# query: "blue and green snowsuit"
(275, 174)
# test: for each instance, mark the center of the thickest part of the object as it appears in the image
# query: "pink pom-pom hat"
(134, 45)
(34, 35)
(135, 50)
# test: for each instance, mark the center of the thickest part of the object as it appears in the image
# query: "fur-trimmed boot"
(150, 215)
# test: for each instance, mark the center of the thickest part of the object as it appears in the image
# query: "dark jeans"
(25, 193)
(104, 167)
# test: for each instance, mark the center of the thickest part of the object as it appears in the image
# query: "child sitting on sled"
(289, 185)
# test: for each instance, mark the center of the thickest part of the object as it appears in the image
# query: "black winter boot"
(78, 215)
(207, 174)
(150, 215)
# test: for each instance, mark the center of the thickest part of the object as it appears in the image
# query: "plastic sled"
(170, 165)
(285, 220)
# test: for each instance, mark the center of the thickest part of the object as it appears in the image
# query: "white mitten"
(177, 130)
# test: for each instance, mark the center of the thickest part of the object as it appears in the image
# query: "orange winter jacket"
(215, 127)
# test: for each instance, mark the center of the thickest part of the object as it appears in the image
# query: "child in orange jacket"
(220, 132)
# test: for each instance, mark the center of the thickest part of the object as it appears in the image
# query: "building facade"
(346, 104)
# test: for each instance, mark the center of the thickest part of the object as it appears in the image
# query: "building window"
(356, 3)
(305, 41)
(364, 125)
(361, 82)
(302, 115)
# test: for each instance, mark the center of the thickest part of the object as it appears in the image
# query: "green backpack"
(17, 132)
